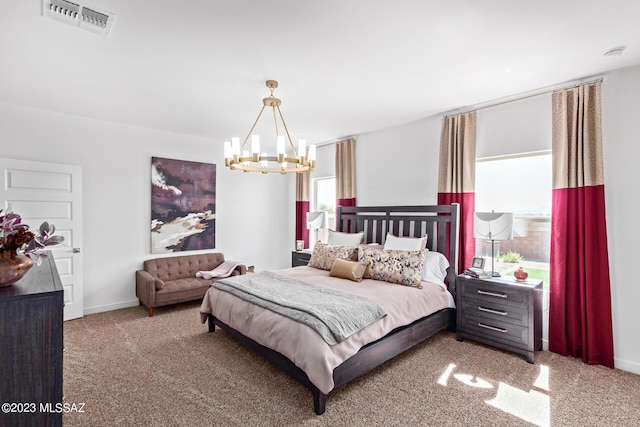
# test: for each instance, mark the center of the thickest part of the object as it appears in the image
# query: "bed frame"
(440, 223)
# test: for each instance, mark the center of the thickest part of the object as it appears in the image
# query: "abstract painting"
(183, 205)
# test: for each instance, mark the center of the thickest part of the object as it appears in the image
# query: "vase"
(13, 267)
(520, 274)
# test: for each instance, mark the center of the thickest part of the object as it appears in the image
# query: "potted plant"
(19, 246)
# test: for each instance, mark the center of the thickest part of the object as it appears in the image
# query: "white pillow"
(393, 243)
(435, 267)
(345, 239)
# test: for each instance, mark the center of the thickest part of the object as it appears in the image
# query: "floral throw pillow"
(323, 255)
(393, 266)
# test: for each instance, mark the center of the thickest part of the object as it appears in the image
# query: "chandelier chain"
(275, 120)
(286, 129)
(252, 127)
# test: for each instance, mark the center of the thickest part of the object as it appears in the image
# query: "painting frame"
(183, 205)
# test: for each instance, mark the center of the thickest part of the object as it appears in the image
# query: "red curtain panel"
(302, 206)
(580, 296)
(457, 175)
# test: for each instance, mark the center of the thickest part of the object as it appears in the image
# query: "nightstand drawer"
(496, 310)
(299, 258)
(507, 333)
(487, 291)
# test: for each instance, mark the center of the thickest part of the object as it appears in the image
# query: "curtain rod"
(526, 95)
(335, 141)
(495, 103)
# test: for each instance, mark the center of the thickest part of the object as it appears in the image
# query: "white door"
(50, 192)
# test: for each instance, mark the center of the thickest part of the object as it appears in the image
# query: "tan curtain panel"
(303, 185)
(457, 176)
(457, 171)
(346, 172)
(577, 137)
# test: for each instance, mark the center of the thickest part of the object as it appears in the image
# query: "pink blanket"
(223, 270)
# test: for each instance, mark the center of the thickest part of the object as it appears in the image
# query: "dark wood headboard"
(440, 223)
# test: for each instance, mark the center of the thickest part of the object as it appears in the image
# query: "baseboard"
(623, 365)
(626, 365)
(109, 307)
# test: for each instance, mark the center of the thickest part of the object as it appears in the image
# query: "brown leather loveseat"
(171, 280)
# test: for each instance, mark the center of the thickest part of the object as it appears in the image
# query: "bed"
(364, 350)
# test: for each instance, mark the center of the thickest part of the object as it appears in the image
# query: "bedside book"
(477, 273)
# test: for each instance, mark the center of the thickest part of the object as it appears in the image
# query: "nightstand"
(500, 312)
(300, 258)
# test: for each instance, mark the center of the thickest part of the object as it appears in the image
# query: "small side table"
(500, 312)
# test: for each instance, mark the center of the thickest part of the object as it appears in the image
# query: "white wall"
(399, 166)
(385, 174)
(620, 110)
(252, 209)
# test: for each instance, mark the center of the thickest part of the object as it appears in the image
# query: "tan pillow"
(352, 270)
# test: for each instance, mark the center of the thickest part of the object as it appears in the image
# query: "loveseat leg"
(150, 311)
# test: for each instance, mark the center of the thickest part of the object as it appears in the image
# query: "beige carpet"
(129, 369)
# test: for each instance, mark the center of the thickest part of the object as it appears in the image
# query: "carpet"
(167, 370)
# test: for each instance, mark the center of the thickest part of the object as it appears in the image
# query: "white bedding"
(305, 347)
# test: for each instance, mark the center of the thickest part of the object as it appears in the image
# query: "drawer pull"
(492, 294)
(488, 310)
(493, 328)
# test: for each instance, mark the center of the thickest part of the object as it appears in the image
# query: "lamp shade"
(316, 220)
(493, 225)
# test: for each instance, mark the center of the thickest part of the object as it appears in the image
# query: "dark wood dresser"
(500, 312)
(31, 331)
(300, 258)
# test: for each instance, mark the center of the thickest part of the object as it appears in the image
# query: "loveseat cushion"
(182, 290)
(182, 284)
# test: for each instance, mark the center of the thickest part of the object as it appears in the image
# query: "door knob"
(76, 250)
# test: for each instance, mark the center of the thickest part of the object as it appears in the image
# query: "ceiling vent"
(80, 15)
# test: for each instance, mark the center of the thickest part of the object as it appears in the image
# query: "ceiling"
(345, 67)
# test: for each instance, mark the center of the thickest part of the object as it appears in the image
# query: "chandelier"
(238, 158)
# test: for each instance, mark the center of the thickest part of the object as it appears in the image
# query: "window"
(520, 184)
(324, 199)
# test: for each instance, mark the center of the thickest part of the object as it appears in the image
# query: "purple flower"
(15, 237)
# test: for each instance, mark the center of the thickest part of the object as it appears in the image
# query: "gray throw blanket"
(334, 314)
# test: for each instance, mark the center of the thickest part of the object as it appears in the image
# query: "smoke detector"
(80, 15)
